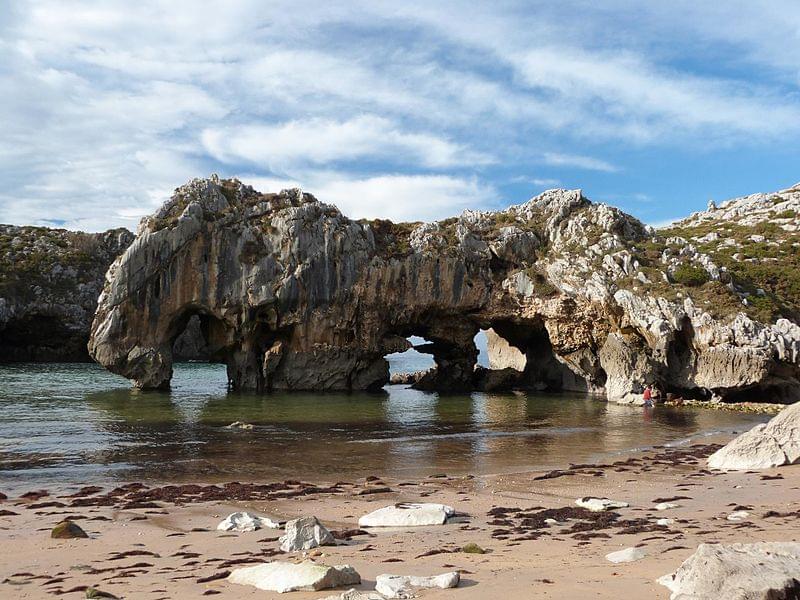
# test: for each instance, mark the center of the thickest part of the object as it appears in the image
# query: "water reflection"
(78, 423)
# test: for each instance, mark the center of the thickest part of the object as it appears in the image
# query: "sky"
(403, 110)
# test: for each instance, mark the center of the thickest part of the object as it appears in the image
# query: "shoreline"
(161, 542)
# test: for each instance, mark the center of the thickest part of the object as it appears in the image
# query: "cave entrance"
(408, 366)
(520, 356)
(198, 337)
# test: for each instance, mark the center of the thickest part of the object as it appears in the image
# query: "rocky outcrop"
(760, 571)
(49, 283)
(766, 445)
(293, 295)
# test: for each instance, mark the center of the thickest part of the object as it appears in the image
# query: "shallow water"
(76, 423)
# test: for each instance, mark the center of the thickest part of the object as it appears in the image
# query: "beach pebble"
(67, 530)
(472, 548)
(289, 577)
(305, 533)
(408, 515)
(665, 521)
(599, 504)
(625, 556)
(240, 425)
(355, 595)
(401, 586)
(244, 521)
(666, 506)
(739, 515)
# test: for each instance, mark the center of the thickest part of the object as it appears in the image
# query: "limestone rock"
(289, 577)
(67, 530)
(355, 595)
(600, 504)
(766, 445)
(244, 521)
(408, 515)
(402, 586)
(627, 555)
(305, 533)
(666, 505)
(760, 571)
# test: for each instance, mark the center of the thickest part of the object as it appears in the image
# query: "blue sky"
(412, 110)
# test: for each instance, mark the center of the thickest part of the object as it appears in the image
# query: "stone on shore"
(354, 595)
(241, 425)
(244, 521)
(600, 504)
(739, 515)
(408, 515)
(305, 533)
(289, 577)
(401, 586)
(766, 445)
(666, 505)
(67, 530)
(760, 571)
(625, 556)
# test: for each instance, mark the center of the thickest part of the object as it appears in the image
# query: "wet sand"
(161, 542)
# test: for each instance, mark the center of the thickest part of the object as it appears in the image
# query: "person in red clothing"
(648, 396)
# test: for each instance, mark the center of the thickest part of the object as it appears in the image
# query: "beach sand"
(153, 543)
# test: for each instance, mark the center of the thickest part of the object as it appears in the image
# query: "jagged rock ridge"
(291, 294)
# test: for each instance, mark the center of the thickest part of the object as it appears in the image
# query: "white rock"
(244, 521)
(305, 533)
(761, 571)
(665, 521)
(288, 577)
(240, 425)
(626, 555)
(739, 515)
(354, 595)
(401, 586)
(766, 445)
(666, 505)
(408, 515)
(600, 504)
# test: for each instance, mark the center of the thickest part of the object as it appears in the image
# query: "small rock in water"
(305, 533)
(739, 515)
(599, 504)
(240, 425)
(473, 548)
(244, 521)
(408, 515)
(666, 505)
(625, 556)
(760, 571)
(400, 586)
(289, 577)
(67, 530)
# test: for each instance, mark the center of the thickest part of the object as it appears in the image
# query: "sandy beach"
(161, 542)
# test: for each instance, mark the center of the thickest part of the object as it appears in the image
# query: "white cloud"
(576, 160)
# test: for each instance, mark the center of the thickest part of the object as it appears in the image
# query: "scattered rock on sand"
(355, 595)
(305, 533)
(760, 571)
(289, 577)
(244, 521)
(665, 522)
(95, 593)
(666, 506)
(67, 530)
(408, 515)
(626, 555)
(401, 586)
(240, 425)
(473, 548)
(599, 504)
(767, 445)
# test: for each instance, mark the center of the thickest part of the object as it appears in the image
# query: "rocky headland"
(293, 295)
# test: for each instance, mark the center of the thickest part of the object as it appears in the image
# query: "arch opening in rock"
(408, 366)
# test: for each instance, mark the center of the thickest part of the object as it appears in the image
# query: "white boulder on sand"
(289, 577)
(355, 595)
(408, 515)
(766, 445)
(244, 521)
(626, 555)
(401, 586)
(305, 533)
(599, 504)
(761, 571)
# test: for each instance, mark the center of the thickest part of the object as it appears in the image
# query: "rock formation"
(293, 295)
(49, 283)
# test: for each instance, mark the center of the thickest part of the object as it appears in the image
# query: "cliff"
(49, 283)
(291, 294)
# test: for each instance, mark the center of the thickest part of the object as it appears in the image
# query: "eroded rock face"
(293, 295)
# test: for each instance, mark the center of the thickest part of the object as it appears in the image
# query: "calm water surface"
(77, 423)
